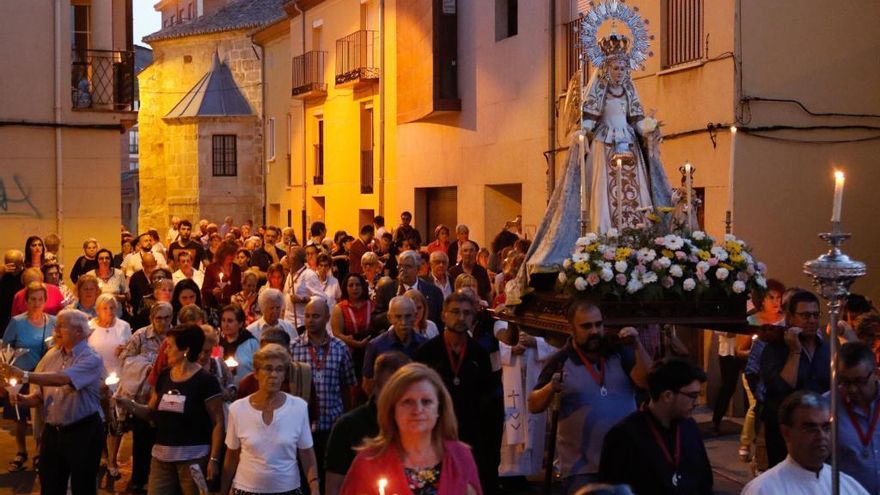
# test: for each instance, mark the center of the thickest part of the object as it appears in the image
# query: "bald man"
(10, 283)
(332, 371)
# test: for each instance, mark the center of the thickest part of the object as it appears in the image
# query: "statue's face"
(617, 71)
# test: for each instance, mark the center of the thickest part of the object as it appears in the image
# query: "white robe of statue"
(522, 443)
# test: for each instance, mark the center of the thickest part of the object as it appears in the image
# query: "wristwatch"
(25, 376)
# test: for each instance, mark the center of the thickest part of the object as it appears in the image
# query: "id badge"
(172, 403)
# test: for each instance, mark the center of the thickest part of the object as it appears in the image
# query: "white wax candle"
(688, 186)
(382, 484)
(231, 362)
(839, 179)
(619, 194)
(732, 168)
(584, 185)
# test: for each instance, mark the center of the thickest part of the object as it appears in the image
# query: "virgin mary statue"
(623, 159)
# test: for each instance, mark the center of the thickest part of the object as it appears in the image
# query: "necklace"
(616, 95)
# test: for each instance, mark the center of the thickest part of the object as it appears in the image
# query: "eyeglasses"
(808, 315)
(407, 266)
(273, 369)
(855, 382)
(689, 395)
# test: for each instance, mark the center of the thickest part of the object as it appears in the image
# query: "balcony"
(366, 171)
(102, 80)
(308, 76)
(572, 51)
(357, 58)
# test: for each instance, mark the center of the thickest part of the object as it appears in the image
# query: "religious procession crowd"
(241, 360)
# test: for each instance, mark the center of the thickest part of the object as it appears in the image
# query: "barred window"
(682, 31)
(225, 160)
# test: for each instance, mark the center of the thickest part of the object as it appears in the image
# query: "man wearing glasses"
(408, 264)
(799, 362)
(596, 379)
(859, 406)
(806, 427)
(659, 448)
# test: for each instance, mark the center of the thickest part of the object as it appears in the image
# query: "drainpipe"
(264, 108)
(382, 75)
(59, 195)
(551, 104)
(303, 237)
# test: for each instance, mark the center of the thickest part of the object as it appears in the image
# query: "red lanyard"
(673, 462)
(454, 363)
(864, 437)
(319, 364)
(599, 378)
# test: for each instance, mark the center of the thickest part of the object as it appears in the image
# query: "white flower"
(606, 274)
(591, 237)
(729, 237)
(689, 284)
(620, 266)
(582, 241)
(566, 264)
(676, 271)
(664, 262)
(633, 286)
(673, 242)
(577, 257)
(739, 287)
(612, 233)
(703, 267)
(761, 281)
(647, 125)
(698, 235)
(580, 283)
(719, 252)
(721, 273)
(649, 277)
(601, 248)
(646, 255)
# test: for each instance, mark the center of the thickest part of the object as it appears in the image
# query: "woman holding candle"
(267, 432)
(108, 338)
(247, 298)
(222, 278)
(237, 343)
(28, 330)
(187, 409)
(417, 449)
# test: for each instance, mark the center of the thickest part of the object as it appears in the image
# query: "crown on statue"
(615, 46)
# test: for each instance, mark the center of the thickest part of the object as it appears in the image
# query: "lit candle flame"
(755, 337)
(382, 484)
(231, 362)
(13, 382)
(112, 379)
(733, 129)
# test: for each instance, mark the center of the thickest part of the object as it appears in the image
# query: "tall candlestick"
(688, 183)
(839, 179)
(619, 194)
(732, 168)
(584, 186)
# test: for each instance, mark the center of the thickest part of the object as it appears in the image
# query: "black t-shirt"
(350, 430)
(192, 426)
(195, 250)
(82, 265)
(229, 348)
(9, 285)
(261, 258)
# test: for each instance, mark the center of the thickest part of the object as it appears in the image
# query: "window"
(289, 153)
(270, 132)
(319, 154)
(682, 31)
(189, 11)
(505, 19)
(80, 29)
(133, 142)
(180, 15)
(224, 156)
(366, 149)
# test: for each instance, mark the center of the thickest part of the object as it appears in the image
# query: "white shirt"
(198, 277)
(445, 288)
(789, 478)
(430, 330)
(303, 283)
(267, 462)
(256, 328)
(133, 262)
(726, 345)
(106, 340)
(332, 291)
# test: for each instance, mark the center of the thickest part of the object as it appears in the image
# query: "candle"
(839, 179)
(231, 362)
(13, 390)
(382, 484)
(688, 183)
(732, 168)
(584, 185)
(619, 194)
(112, 380)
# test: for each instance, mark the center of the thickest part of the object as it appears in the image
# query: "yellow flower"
(703, 255)
(732, 247)
(725, 265)
(582, 267)
(622, 253)
(593, 247)
(667, 253)
(736, 258)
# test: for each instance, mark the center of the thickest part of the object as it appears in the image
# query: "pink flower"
(656, 265)
(713, 261)
(680, 255)
(659, 241)
(593, 278)
(609, 254)
(641, 268)
(701, 276)
(620, 279)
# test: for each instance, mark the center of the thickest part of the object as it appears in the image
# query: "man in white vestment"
(805, 422)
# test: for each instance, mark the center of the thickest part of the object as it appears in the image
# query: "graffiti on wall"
(16, 201)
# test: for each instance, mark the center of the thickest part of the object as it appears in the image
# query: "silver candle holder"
(832, 274)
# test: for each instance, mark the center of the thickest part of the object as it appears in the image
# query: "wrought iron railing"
(571, 50)
(683, 40)
(357, 57)
(308, 72)
(366, 171)
(318, 179)
(102, 79)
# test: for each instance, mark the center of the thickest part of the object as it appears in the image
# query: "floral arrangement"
(646, 264)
